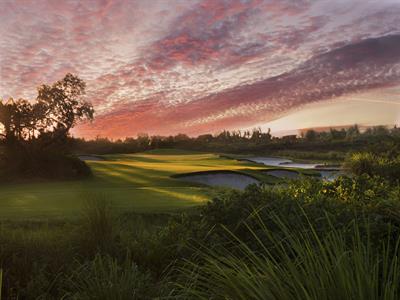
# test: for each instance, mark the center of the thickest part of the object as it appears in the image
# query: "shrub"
(374, 165)
(48, 165)
(343, 200)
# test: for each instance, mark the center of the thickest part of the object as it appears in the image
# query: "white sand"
(236, 181)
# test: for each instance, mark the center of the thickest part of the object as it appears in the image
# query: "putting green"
(140, 182)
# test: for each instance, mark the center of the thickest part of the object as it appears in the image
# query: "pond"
(328, 174)
(282, 162)
(222, 179)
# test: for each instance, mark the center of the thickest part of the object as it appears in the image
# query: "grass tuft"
(304, 265)
(97, 224)
(105, 278)
(1, 282)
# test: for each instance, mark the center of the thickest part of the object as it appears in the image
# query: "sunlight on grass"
(181, 196)
(140, 182)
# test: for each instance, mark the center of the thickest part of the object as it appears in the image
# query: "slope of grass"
(140, 182)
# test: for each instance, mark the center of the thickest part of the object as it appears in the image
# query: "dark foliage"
(329, 145)
(134, 253)
(383, 164)
(35, 134)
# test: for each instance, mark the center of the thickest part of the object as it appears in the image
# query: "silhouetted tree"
(33, 130)
(56, 110)
(311, 135)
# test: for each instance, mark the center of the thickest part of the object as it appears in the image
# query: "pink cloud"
(348, 69)
(194, 65)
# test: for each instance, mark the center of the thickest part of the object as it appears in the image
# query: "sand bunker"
(224, 179)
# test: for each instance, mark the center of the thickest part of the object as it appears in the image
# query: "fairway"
(138, 182)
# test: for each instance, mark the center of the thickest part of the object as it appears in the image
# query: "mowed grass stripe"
(140, 182)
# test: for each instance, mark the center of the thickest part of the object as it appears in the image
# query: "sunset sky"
(199, 66)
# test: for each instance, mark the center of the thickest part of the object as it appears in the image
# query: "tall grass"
(105, 278)
(31, 259)
(1, 282)
(297, 264)
(98, 224)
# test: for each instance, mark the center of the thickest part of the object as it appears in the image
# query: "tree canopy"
(35, 131)
(57, 109)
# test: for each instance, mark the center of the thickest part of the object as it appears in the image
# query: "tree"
(15, 117)
(352, 132)
(311, 135)
(34, 129)
(56, 110)
(62, 104)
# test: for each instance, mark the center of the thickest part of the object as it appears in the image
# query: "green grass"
(1, 282)
(139, 182)
(296, 264)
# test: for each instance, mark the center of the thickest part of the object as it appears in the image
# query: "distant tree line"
(249, 141)
(35, 136)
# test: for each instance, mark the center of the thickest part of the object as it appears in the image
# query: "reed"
(298, 264)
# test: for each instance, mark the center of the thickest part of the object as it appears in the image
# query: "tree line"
(246, 141)
(35, 139)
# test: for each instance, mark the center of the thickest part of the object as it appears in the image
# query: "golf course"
(199, 149)
(142, 182)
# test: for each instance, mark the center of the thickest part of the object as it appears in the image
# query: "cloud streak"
(195, 66)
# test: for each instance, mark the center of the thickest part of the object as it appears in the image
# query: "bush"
(344, 200)
(48, 165)
(282, 241)
(374, 165)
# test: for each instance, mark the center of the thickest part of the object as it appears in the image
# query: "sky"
(198, 66)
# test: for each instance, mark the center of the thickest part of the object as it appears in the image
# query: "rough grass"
(137, 182)
(339, 264)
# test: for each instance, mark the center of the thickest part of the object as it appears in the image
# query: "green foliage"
(306, 239)
(97, 226)
(32, 258)
(255, 141)
(52, 260)
(311, 135)
(361, 192)
(373, 164)
(286, 242)
(105, 278)
(332, 156)
(1, 282)
(136, 182)
(300, 265)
